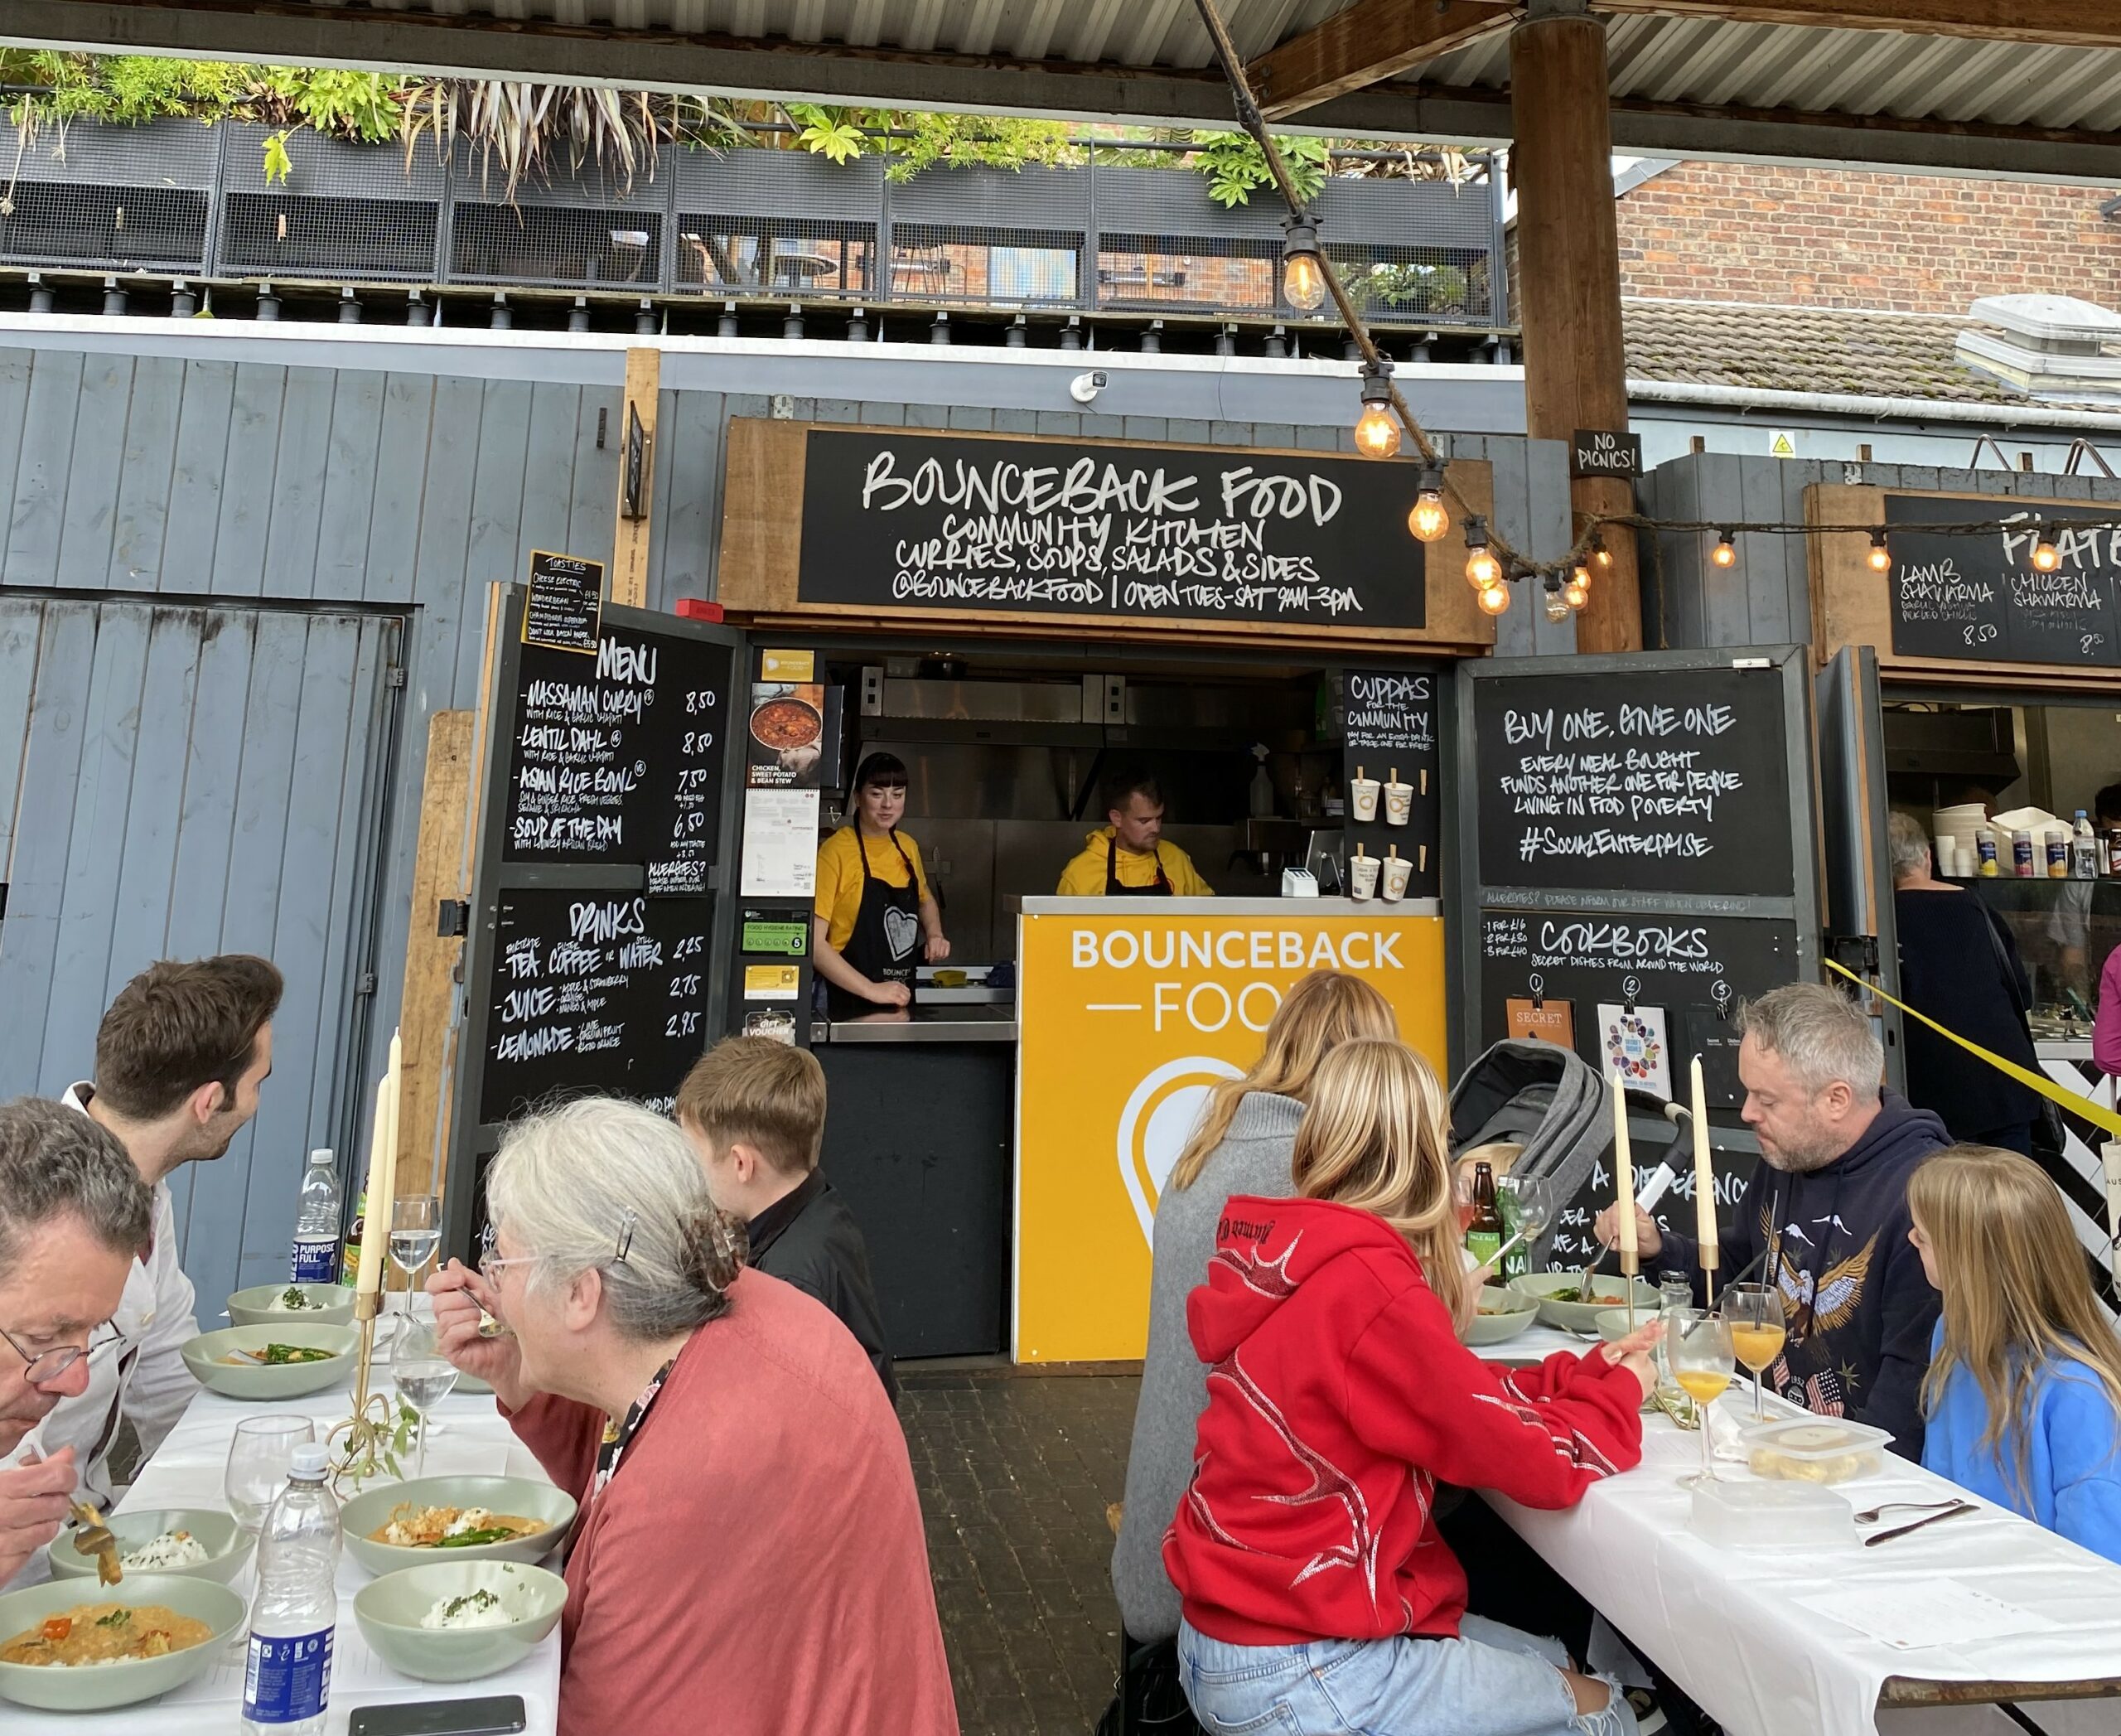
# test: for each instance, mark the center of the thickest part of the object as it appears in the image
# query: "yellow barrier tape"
(2082, 1107)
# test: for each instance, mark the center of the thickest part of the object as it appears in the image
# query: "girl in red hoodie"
(1316, 1593)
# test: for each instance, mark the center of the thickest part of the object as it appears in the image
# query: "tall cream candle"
(1704, 1177)
(1623, 1173)
(382, 1158)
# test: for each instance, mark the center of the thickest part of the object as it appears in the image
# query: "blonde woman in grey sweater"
(1241, 1145)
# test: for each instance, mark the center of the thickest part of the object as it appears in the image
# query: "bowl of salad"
(274, 1362)
(191, 1542)
(456, 1620)
(401, 1525)
(276, 1305)
(1563, 1301)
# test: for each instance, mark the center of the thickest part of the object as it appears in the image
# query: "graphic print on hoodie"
(1860, 1313)
(1339, 1396)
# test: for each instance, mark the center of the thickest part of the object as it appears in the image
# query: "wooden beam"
(2048, 24)
(1371, 40)
(430, 994)
(630, 544)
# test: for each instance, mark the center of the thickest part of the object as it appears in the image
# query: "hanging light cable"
(1303, 274)
(1377, 431)
(1430, 517)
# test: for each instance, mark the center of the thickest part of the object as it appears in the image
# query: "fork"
(1871, 1515)
(1952, 1511)
(92, 1537)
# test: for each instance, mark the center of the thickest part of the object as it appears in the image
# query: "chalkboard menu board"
(620, 759)
(592, 991)
(1610, 780)
(893, 518)
(1574, 1243)
(1391, 737)
(1979, 599)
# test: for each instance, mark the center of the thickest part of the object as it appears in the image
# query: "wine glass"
(1535, 1198)
(423, 1375)
(415, 1236)
(259, 1457)
(1699, 1345)
(1757, 1330)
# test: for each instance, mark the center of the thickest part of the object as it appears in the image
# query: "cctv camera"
(1084, 387)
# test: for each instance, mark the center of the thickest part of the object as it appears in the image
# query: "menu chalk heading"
(566, 603)
(893, 519)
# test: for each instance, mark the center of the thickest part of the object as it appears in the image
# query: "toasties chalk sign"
(893, 519)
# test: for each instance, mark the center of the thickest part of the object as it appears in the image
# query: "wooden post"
(1568, 278)
(630, 546)
(425, 1019)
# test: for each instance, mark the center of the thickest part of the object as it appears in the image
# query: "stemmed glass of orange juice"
(1699, 1346)
(1755, 1311)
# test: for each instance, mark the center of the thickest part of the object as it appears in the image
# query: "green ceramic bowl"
(124, 1683)
(389, 1611)
(206, 1357)
(1517, 1310)
(1582, 1317)
(370, 1511)
(1612, 1324)
(227, 1544)
(254, 1307)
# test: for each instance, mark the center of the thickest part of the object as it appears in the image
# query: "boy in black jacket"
(1829, 1205)
(755, 1111)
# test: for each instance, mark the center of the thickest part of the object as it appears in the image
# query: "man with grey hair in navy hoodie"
(1829, 1207)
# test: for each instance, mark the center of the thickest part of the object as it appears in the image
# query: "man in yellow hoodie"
(1127, 857)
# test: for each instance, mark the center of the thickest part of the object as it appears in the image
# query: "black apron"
(1159, 887)
(887, 935)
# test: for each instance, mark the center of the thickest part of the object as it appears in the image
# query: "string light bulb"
(1880, 557)
(1557, 604)
(2046, 557)
(1494, 599)
(1377, 430)
(1483, 571)
(1600, 552)
(1725, 553)
(1303, 271)
(1576, 592)
(1430, 517)
(1580, 575)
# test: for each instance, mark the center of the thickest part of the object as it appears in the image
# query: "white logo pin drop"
(901, 929)
(1160, 1112)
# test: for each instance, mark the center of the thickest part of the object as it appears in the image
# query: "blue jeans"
(1492, 1680)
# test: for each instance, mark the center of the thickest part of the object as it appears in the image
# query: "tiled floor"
(1016, 1472)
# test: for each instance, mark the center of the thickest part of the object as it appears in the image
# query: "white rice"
(479, 1609)
(173, 1548)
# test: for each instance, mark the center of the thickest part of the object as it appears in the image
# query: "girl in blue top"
(2024, 1387)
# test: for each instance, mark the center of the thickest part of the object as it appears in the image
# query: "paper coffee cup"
(1362, 876)
(1362, 796)
(1397, 867)
(1398, 803)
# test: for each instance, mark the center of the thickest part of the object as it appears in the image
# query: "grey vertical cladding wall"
(1764, 598)
(402, 495)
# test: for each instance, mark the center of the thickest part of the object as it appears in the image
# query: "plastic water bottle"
(287, 1677)
(316, 1221)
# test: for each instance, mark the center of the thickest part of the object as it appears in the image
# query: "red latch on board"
(698, 608)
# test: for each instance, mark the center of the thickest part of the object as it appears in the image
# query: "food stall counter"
(946, 1023)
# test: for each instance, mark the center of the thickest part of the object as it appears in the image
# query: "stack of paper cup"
(1955, 829)
(1362, 797)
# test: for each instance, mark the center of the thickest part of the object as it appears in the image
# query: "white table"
(186, 1471)
(1725, 1624)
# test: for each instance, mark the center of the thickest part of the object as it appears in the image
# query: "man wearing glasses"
(73, 1212)
(180, 1058)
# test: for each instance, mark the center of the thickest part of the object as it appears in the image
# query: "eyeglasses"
(47, 1366)
(490, 1262)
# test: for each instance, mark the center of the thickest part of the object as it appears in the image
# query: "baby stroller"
(1549, 1101)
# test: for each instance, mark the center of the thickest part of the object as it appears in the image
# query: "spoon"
(94, 1538)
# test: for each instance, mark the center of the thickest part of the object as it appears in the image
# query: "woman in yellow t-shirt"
(873, 909)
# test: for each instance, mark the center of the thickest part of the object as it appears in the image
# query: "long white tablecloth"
(1727, 1625)
(187, 1472)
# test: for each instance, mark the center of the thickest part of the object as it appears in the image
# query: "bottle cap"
(321, 1154)
(309, 1460)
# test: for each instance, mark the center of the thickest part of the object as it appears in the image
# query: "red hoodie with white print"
(1339, 1396)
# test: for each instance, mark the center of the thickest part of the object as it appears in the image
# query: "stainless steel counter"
(923, 1024)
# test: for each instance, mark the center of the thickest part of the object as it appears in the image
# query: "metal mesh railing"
(300, 235)
(105, 228)
(560, 247)
(814, 257)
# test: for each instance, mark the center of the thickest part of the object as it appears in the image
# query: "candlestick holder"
(1711, 1258)
(1630, 1270)
(367, 1442)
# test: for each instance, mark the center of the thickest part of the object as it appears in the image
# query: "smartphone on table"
(499, 1715)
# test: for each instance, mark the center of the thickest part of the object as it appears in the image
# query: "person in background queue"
(181, 1056)
(73, 1214)
(749, 1558)
(1829, 1205)
(2023, 1395)
(1127, 856)
(1958, 964)
(755, 1111)
(874, 910)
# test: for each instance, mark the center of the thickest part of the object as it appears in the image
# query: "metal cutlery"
(92, 1537)
(1871, 1515)
(1952, 1511)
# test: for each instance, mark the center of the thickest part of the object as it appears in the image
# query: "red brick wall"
(1849, 238)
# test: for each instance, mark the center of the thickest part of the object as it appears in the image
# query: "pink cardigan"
(758, 1564)
(2106, 1025)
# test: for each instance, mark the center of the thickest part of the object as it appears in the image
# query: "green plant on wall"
(1236, 168)
(914, 143)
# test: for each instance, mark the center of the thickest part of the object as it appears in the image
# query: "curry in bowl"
(105, 1633)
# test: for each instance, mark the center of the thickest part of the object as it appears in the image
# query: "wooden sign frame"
(1851, 605)
(762, 536)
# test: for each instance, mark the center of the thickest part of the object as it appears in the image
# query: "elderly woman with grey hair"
(1959, 964)
(750, 1556)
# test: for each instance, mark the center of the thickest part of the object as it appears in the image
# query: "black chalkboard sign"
(893, 518)
(593, 991)
(1392, 732)
(1979, 599)
(565, 603)
(1674, 780)
(621, 760)
(1574, 1243)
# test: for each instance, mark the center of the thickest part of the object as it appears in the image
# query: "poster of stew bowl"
(791, 738)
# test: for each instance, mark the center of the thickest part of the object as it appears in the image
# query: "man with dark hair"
(73, 1214)
(2069, 923)
(180, 1057)
(1127, 856)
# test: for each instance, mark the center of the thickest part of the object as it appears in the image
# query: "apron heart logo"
(901, 929)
